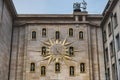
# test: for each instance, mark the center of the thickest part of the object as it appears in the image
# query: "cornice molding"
(108, 10)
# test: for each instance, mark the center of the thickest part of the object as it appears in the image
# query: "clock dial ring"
(57, 49)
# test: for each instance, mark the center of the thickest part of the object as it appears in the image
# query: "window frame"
(118, 42)
(108, 74)
(84, 68)
(32, 35)
(104, 35)
(41, 70)
(70, 71)
(71, 34)
(72, 50)
(106, 55)
(42, 51)
(110, 29)
(81, 38)
(31, 67)
(115, 19)
(59, 68)
(44, 35)
(56, 35)
(112, 49)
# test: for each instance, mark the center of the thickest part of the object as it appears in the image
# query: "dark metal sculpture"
(77, 6)
(84, 7)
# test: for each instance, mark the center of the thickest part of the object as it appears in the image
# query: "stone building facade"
(52, 46)
(25, 50)
(111, 35)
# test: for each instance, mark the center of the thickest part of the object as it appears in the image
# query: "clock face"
(57, 49)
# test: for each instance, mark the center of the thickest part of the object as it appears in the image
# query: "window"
(115, 20)
(106, 55)
(43, 70)
(57, 67)
(114, 72)
(111, 49)
(72, 72)
(118, 42)
(71, 32)
(71, 51)
(33, 34)
(44, 32)
(57, 34)
(82, 67)
(43, 50)
(80, 35)
(32, 67)
(108, 74)
(109, 29)
(119, 66)
(104, 36)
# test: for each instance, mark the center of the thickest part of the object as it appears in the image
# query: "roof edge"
(11, 7)
(108, 9)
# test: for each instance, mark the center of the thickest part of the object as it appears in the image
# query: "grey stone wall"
(5, 40)
(91, 52)
(17, 58)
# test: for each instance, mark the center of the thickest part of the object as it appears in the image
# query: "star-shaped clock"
(58, 51)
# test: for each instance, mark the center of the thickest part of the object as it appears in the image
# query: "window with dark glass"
(106, 55)
(111, 49)
(43, 50)
(44, 32)
(71, 51)
(80, 35)
(70, 32)
(109, 29)
(57, 34)
(33, 34)
(57, 67)
(114, 72)
(72, 72)
(82, 67)
(32, 67)
(107, 74)
(118, 42)
(104, 36)
(115, 20)
(43, 70)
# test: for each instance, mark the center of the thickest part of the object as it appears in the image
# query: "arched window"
(57, 34)
(70, 32)
(33, 34)
(32, 67)
(82, 67)
(44, 32)
(71, 51)
(57, 67)
(80, 35)
(43, 50)
(43, 70)
(72, 72)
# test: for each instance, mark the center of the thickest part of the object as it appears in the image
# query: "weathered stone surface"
(5, 40)
(25, 50)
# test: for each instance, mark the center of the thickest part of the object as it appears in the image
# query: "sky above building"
(56, 6)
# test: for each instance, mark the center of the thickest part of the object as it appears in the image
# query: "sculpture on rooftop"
(84, 7)
(77, 6)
